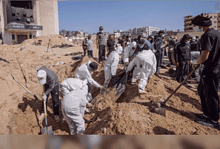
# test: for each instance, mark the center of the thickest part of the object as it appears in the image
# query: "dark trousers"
(101, 53)
(84, 52)
(170, 59)
(55, 99)
(90, 53)
(183, 71)
(158, 55)
(208, 92)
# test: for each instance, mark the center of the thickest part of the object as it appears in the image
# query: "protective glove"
(101, 87)
(44, 97)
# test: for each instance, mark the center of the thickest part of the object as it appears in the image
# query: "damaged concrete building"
(21, 20)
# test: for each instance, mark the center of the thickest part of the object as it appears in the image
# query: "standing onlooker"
(149, 42)
(90, 46)
(85, 46)
(209, 81)
(158, 47)
(183, 57)
(110, 44)
(170, 49)
(100, 42)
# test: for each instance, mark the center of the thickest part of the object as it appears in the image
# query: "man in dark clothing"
(183, 58)
(209, 80)
(170, 49)
(198, 41)
(110, 44)
(158, 47)
(49, 79)
(100, 42)
(85, 46)
(193, 44)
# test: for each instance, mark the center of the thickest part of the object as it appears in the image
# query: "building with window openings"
(21, 20)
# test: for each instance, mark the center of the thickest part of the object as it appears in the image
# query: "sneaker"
(57, 118)
(41, 116)
(201, 116)
(208, 122)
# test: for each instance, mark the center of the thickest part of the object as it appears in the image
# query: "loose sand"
(130, 115)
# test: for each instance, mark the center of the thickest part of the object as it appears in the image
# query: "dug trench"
(129, 115)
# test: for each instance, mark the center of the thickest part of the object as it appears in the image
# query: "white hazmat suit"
(74, 104)
(128, 52)
(146, 65)
(73, 108)
(111, 64)
(84, 73)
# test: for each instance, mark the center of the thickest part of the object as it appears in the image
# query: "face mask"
(187, 42)
(197, 29)
(170, 39)
(141, 47)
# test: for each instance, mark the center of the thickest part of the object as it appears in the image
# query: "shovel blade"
(47, 131)
(161, 111)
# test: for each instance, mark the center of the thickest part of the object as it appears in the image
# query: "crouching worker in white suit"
(145, 61)
(84, 73)
(111, 64)
(74, 104)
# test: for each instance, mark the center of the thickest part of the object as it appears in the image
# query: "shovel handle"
(35, 96)
(45, 109)
(181, 84)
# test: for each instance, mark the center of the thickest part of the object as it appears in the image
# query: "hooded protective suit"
(84, 73)
(111, 64)
(146, 65)
(128, 52)
(73, 108)
(73, 84)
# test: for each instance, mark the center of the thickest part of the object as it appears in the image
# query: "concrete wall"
(49, 17)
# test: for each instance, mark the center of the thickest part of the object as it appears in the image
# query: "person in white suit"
(110, 67)
(74, 102)
(145, 62)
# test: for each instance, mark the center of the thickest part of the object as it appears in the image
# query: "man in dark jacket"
(183, 58)
(100, 43)
(158, 47)
(170, 49)
(49, 79)
(209, 80)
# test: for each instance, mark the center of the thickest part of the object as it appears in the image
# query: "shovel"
(26, 83)
(35, 96)
(46, 130)
(157, 107)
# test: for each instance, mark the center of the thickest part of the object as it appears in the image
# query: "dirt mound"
(135, 118)
(130, 115)
(54, 40)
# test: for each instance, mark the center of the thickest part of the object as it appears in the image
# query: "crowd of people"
(143, 58)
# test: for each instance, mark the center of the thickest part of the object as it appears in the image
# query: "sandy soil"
(130, 115)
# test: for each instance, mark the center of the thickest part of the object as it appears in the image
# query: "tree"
(63, 32)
